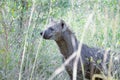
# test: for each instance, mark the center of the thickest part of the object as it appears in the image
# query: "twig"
(25, 44)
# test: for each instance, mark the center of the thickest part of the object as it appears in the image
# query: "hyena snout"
(46, 34)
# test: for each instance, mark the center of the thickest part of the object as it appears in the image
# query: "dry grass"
(25, 56)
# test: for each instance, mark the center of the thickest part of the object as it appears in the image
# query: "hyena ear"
(63, 25)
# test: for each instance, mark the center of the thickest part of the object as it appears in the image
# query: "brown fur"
(68, 44)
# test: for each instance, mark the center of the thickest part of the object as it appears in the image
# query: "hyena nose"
(41, 33)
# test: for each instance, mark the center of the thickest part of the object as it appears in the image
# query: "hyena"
(92, 58)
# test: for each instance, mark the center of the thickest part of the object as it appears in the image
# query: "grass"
(23, 53)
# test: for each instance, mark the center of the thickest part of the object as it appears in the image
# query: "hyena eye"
(51, 29)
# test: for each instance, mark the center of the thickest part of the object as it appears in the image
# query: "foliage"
(20, 28)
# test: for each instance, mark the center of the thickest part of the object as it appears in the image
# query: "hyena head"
(54, 30)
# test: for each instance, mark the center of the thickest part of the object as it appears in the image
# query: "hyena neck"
(67, 44)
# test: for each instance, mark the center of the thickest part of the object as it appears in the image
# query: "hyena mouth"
(45, 36)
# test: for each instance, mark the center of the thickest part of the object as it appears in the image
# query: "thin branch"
(39, 44)
(25, 44)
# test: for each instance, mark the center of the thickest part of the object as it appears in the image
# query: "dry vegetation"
(24, 55)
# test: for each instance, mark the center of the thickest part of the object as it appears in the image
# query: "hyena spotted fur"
(95, 60)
